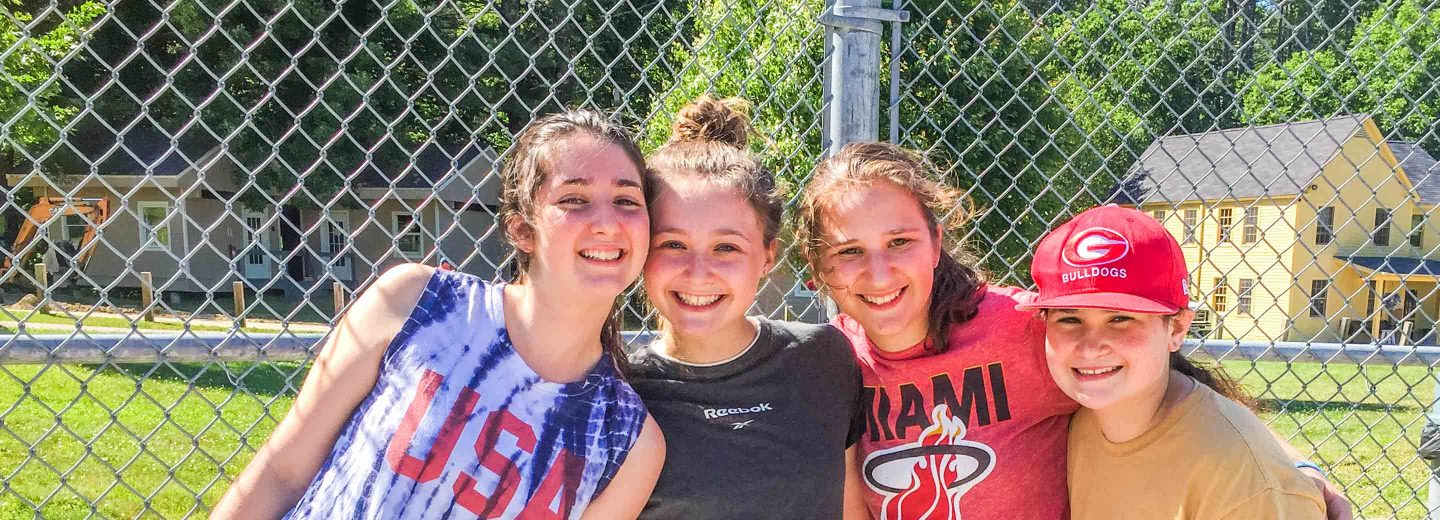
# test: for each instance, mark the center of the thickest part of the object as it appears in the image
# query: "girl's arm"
(628, 491)
(1337, 507)
(343, 374)
(1274, 504)
(855, 508)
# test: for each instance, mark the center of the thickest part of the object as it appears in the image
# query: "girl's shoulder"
(1238, 445)
(821, 336)
(997, 314)
(1002, 299)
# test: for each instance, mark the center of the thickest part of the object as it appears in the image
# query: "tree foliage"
(975, 99)
(37, 40)
(763, 52)
(310, 92)
(1390, 69)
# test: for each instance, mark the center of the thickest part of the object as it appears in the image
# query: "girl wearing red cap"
(961, 416)
(1112, 293)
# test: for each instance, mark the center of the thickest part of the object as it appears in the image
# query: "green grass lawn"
(1362, 425)
(135, 440)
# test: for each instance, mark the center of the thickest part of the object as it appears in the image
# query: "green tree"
(769, 53)
(978, 103)
(36, 41)
(1389, 70)
(308, 92)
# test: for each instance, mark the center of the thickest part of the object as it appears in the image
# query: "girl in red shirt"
(961, 415)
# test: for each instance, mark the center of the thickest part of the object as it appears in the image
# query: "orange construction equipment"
(95, 211)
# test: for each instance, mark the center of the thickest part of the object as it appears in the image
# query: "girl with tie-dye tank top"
(439, 395)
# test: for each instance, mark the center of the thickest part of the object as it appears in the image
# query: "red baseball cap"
(1109, 257)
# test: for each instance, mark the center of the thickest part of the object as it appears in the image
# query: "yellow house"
(1310, 231)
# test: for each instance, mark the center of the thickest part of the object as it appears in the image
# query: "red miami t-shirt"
(978, 431)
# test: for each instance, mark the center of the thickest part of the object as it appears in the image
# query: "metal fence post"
(852, 77)
(147, 296)
(1430, 450)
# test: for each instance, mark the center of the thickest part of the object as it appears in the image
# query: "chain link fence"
(195, 188)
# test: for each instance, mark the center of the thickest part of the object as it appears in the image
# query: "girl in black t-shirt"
(756, 413)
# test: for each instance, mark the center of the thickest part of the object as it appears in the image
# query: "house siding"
(1285, 258)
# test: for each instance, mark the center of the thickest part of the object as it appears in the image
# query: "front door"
(290, 238)
(257, 246)
(337, 238)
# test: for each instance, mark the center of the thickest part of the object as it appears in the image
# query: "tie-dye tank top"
(458, 426)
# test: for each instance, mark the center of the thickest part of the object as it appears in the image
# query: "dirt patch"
(28, 301)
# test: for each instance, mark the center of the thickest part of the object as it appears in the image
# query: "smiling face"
(590, 222)
(879, 261)
(1103, 358)
(707, 257)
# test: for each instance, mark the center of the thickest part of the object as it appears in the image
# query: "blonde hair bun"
(707, 118)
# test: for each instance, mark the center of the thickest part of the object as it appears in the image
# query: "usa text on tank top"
(458, 426)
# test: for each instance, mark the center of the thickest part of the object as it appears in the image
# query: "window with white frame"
(1220, 296)
(1318, 290)
(1243, 297)
(337, 236)
(1250, 232)
(73, 228)
(1225, 221)
(1324, 225)
(1191, 217)
(407, 234)
(154, 225)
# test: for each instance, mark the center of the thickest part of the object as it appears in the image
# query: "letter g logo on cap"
(1094, 246)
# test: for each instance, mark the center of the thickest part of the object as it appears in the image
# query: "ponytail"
(1212, 377)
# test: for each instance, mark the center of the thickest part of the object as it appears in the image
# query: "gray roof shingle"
(430, 166)
(1421, 168)
(1254, 161)
(140, 150)
(1397, 265)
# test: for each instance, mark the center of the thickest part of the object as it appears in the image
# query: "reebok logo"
(716, 413)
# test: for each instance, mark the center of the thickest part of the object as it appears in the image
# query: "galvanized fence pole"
(1429, 436)
(852, 108)
(853, 75)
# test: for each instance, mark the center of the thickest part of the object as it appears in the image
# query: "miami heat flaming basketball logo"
(926, 478)
(1094, 246)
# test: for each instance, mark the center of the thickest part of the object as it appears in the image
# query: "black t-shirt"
(760, 436)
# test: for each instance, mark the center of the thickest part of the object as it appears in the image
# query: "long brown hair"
(1212, 377)
(1208, 375)
(958, 280)
(526, 170)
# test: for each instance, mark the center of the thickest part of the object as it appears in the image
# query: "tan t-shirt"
(1209, 459)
